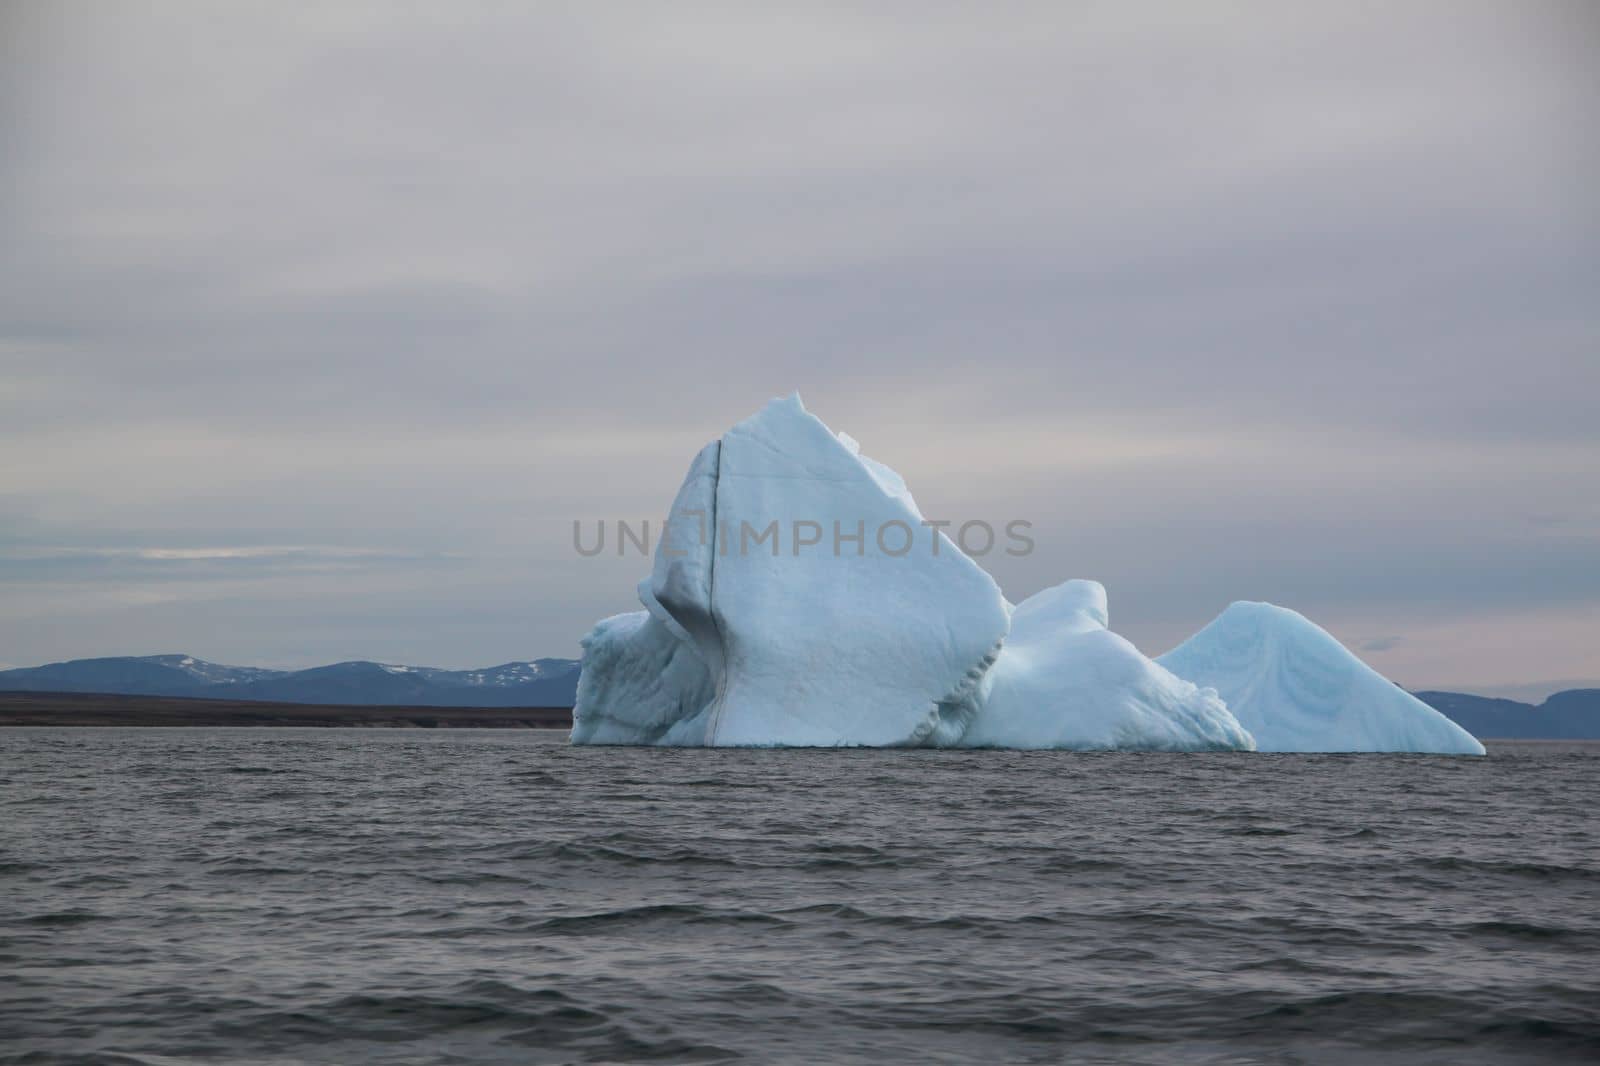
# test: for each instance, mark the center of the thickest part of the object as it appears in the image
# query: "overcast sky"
(318, 329)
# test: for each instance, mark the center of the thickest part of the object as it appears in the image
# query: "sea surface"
(450, 896)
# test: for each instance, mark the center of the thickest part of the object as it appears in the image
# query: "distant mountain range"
(537, 683)
(1570, 715)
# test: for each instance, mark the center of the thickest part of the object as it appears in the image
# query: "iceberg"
(1296, 688)
(790, 566)
(797, 597)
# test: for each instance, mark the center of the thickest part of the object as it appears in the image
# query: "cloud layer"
(1292, 302)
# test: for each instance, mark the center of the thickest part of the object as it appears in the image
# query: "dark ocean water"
(348, 896)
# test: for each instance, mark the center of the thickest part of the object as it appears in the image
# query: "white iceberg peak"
(1296, 688)
(840, 645)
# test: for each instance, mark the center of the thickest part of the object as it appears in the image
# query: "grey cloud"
(1282, 302)
(1381, 644)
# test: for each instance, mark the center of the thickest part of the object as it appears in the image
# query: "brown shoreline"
(100, 709)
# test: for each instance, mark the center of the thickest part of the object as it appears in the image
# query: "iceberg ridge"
(1296, 688)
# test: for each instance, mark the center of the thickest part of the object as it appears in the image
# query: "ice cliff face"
(798, 598)
(641, 684)
(834, 642)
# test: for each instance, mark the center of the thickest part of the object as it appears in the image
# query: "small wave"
(1523, 930)
(650, 914)
(653, 854)
(486, 1010)
(64, 919)
(1513, 868)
